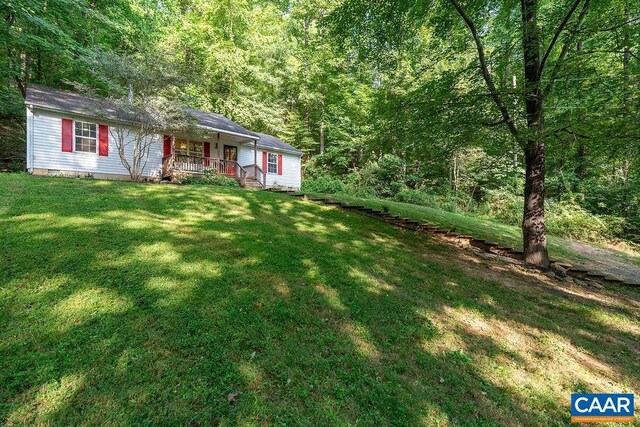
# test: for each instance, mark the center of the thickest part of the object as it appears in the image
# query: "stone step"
(578, 269)
(595, 274)
(564, 265)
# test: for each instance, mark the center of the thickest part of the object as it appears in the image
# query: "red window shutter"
(279, 164)
(67, 135)
(103, 136)
(264, 162)
(207, 154)
(167, 146)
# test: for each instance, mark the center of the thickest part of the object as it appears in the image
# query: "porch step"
(252, 183)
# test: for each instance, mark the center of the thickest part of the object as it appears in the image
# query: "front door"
(230, 154)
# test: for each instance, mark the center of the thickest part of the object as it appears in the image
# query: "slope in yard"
(129, 304)
(620, 263)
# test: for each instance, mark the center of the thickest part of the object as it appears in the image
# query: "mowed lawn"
(146, 304)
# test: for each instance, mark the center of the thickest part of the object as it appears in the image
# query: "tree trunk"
(533, 229)
(454, 174)
(534, 234)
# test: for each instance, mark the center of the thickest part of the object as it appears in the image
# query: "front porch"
(251, 176)
(218, 153)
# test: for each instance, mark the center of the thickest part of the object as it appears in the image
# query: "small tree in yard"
(136, 102)
(146, 118)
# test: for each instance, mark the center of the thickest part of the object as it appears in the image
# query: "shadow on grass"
(133, 304)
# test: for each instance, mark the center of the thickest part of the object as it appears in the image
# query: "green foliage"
(415, 197)
(208, 178)
(448, 202)
(381, 178)
(504, 206)
(563, 218)
(570, 220)
(324, 184)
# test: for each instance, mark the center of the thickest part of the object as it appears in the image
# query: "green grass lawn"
(136, 304)
(483, 228)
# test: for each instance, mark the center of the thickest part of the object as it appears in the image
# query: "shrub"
(12, 166)
(323, 184)
(446, 200)
(355, 186)
(563, 218)
(382, 178)
(390, 176)
(208, 178)
(415, 197)
(568, 219)
(503, 205)
(219, 180)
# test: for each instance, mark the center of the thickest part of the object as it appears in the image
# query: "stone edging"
(559, 268)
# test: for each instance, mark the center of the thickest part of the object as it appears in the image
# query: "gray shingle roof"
(60, 100)
(219, 122)
(268, 141)
(70, 102)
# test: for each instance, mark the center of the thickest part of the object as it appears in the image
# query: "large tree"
(537, 37)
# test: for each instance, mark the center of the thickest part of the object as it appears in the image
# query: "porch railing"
(255, 171)
(167, 166)
(198, 164)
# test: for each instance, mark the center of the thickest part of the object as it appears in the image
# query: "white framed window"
(181, 146)
(272, 163)
(188, 147)
(86, 137)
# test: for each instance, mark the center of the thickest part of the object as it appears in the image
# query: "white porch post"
(255, 159)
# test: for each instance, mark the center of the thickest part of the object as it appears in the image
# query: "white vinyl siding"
(47, 149)
(245, 155)
(290, 166)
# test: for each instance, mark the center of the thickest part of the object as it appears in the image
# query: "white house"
(64, 137)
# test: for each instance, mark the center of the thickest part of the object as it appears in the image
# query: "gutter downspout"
(30, 155)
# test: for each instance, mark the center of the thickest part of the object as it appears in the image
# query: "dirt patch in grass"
(608, 261)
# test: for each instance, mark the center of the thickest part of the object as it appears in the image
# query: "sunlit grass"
(125, 304)
(484, 228)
